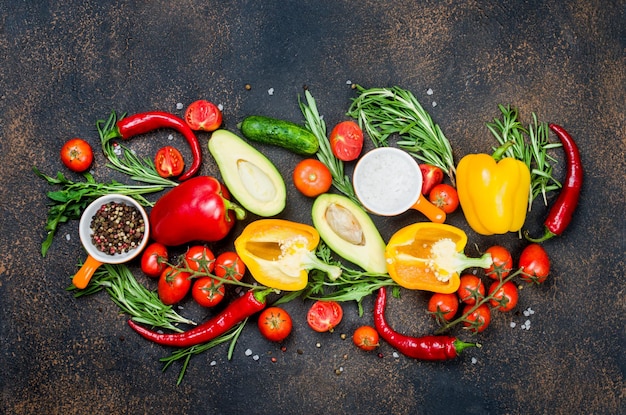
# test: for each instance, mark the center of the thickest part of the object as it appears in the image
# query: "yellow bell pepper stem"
(279, 253)
(429, 256)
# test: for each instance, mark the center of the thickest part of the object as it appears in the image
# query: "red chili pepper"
(561, 212)
(237, 311)
(423, 348)
(196, 210)
(144, 122)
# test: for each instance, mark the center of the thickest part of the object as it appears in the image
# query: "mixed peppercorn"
(117, 228)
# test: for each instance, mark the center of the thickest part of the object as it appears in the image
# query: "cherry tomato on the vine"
(502, 262)
(366, 338)
(229, 265)
(535, 264)
(478, 320)
(208, 292)
(443, 306)
(471, 289)
(200, 258)
(504, 298)
(169, 162)
(203, 115)
(324, 316)
(173, 286)
(431, 177)
(154, 259)
(312, 178)
(346, 140)
(77, 155)
(275, 324)
(444, 197)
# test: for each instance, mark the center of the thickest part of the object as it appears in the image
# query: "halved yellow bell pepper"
(429, 256)
(279, 253)
(493, 194)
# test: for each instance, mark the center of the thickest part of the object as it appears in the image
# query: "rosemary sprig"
(315, 123)
(141, 170)
(142, 304)
(383, 112)
(530, 145)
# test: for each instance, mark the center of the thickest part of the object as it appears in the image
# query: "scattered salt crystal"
(270, 91)
(395, 355)
(117, 150)
(170, 137)
(429, 91)
(348, 82)
(513, 324)
(255, 357)
(220, 107)
(474, 360)
(179, 106)
(434, 103)
(248, 352)
(67, 236)
(213, 363)
(531, 311)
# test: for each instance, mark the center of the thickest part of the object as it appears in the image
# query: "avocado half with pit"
(250, 177)
(349, 232)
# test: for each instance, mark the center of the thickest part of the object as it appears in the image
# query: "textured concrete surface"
(65, 66)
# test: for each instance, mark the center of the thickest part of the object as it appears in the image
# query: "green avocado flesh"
(250, 177)
(349, 232)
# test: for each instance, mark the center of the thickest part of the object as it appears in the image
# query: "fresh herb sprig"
(72, 198)
(383, 112)
(315, 123)
(530, 145)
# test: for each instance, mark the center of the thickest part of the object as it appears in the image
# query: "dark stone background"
(65, 66)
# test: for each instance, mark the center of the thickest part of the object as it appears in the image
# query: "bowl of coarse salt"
(388, 182)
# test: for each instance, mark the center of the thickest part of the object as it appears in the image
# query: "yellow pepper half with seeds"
(493, 192)
(279, 253)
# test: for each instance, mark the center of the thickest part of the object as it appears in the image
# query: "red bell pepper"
(198, 209)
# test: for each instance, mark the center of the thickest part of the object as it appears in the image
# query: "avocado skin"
(371, 255)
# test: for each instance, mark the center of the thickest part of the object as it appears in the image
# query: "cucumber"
(281, 133)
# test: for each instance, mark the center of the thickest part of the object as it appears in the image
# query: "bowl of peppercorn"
(113, 229)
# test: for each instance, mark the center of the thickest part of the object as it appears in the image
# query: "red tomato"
(169, 162)
(228, 265)
(535, 264)
(366, 338)
(154, 259)
(431, 177)
(502, 262)
(77, 155)
(470, 289)
(312, 178)
(443, 307)
(505, 297)
(203, 115)
(275, 324)
(479, 319)
(346, 140)
(200, 258)
(208, 292)
(324, 316)
(173, 286)
(444, 197)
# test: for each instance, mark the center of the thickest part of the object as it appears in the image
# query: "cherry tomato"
(200, 258)
(444, 197)
(366, 338)
(275, 324)
(228, 265)
(535, 264)
(324, 316)
(312, 178)
(504, 298)
(154, 259)
(470, 289)
(479, 319)
(77, 155)
(208, 292)
(203, 115)
(346, 140)
(169, 162)
(502, 262)
(443, 307)
(173, 286)
(431, 177)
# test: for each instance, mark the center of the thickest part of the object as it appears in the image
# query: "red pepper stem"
(547, 235)
(499, 153)
(460, 345)
(261, 296)
(240, 213)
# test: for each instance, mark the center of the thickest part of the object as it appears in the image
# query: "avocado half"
(349, 231)
(250, 177)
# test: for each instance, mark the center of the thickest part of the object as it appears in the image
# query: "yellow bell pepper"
(279, 253)
(493, 194)
(429, 256)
